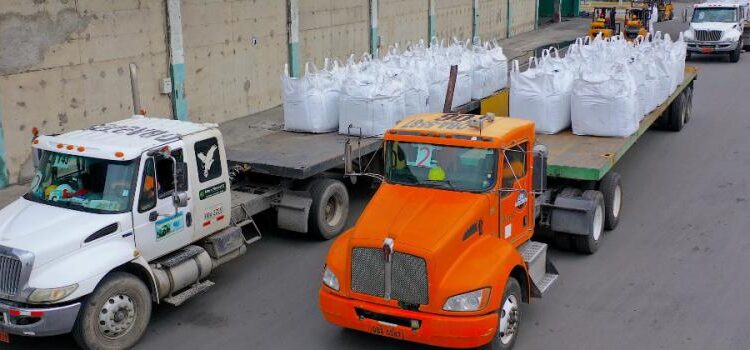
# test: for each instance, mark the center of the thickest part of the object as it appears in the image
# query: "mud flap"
(293, 211)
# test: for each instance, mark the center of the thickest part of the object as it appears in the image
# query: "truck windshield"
(446, 167)
(715, 14)
(83, 183)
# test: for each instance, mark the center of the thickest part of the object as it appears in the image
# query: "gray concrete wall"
(454, 19)
(234, 57)
(493, 18)
(402, 21)
(333, 28)
(64, 65)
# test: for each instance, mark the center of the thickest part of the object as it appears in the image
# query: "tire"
(735, 55)
(123, 296)
(500, 341)
(330, 208)
(689, 104)
(676, 116)
(688, 56)
(611, 190)
(563, 241)
(589, 244)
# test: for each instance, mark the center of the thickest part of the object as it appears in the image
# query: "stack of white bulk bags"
(311, 102)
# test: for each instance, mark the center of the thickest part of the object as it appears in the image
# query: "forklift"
(665, 8)
(603, 22)
(636, 23)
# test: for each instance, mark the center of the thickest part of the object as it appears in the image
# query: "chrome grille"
(10, 274)
(408, 275)
(708, 35)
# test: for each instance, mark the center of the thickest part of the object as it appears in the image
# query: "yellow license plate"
(387, 331)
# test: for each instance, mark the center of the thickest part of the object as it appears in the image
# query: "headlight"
(51, 295)
(689, 34)
(330, 280)
(731, 35)
(471, 301)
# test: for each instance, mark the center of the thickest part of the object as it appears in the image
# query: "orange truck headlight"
(330, 279)
(470, 301)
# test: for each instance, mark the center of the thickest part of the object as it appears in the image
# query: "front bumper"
(38, 322)
(436, 330)
(709, 47)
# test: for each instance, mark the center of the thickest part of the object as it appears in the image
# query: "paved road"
(672, 276)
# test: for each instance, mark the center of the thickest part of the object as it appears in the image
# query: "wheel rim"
(509, 319)
(598, 222)
(117, 316)
(616, 202)
(333, 210)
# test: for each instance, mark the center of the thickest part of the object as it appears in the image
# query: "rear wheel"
(509, 318)
(566, 241)
(330, 208)
(611, 189)
(676, 115)
(115, 316)
(589, 244)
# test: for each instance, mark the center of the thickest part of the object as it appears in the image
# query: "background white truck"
(125, 214)
(719, 27)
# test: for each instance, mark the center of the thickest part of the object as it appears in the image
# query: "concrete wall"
(64, 65)
(333, 28)
(523, 16)
(234, 57)
(493, 19)
(454, 19)
(402, 21)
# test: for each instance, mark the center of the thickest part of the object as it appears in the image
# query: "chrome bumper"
(713, 46)
(38, 322)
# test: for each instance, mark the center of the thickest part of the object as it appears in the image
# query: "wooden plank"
(590, 157)
(297, 155)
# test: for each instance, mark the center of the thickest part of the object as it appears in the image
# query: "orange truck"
(442, 254)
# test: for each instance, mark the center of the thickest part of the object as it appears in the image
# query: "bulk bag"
(603, 102)
(370, 104)
(310, 102)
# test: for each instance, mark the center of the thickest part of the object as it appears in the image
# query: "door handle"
(152, 216)
(188, 219)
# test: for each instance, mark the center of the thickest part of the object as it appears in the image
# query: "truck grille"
(10, 274)
(408, 275)
(708, 35)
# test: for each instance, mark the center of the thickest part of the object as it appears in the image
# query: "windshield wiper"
(441, 182)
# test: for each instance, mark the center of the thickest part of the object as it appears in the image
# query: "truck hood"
(422, 221)
(47, 231)
(722, 26)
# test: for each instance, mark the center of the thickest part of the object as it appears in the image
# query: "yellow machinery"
(603, 22)
(636, 23)
(665, 8)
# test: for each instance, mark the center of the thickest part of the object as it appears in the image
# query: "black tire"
(735, 55)
(611, 190)
(688, 56)
(512, 288)
(589, 244)
(130, 296)
(676, 115)
(563, 241)
(330, 208)
(689, 104)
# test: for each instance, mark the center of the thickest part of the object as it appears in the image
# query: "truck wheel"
(330, 208)
(563, 241)
(611, 189)
(689, 104)
(509, 318)
(735, 55)
(589, 244)
(676, 115)
(688, 56)
(115, 316)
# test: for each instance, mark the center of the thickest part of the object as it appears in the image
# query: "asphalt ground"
(673, 275)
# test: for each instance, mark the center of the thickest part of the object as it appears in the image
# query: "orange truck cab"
(442, 253)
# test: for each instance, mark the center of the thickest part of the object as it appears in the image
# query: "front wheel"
(735, 55)
(509, 318)
(116, 315)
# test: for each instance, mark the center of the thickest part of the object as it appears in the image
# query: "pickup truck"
(719, 28)
(443, 253)
(125, 215)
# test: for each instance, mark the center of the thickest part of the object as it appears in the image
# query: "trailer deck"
(589, 157)
(295, 155)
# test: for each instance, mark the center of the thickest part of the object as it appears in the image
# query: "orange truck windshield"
(447, 167)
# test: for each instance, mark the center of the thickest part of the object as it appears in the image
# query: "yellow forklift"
(604, 22)
(665, 8)
(636, 23)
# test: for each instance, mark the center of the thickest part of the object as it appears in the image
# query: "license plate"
(707, 50)
(387, 331)
(4, 338)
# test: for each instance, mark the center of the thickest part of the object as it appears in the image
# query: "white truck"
(123, 215)
(719, 27)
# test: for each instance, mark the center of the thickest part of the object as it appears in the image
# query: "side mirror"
(180, 199)
(181, 177)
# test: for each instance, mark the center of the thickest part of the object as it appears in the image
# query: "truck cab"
(718, 28)
(108, 227)
(442, 253)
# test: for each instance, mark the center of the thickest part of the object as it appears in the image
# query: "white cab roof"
(131, 137)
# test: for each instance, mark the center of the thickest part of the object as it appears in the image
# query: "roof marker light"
(81, 148)
(36, 141)
(70, 147)
(119, 154)
(60, 145)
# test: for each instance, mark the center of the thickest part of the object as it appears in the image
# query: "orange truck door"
(515, 201)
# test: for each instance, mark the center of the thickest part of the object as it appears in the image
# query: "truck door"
(515, 214)
(158, 228)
